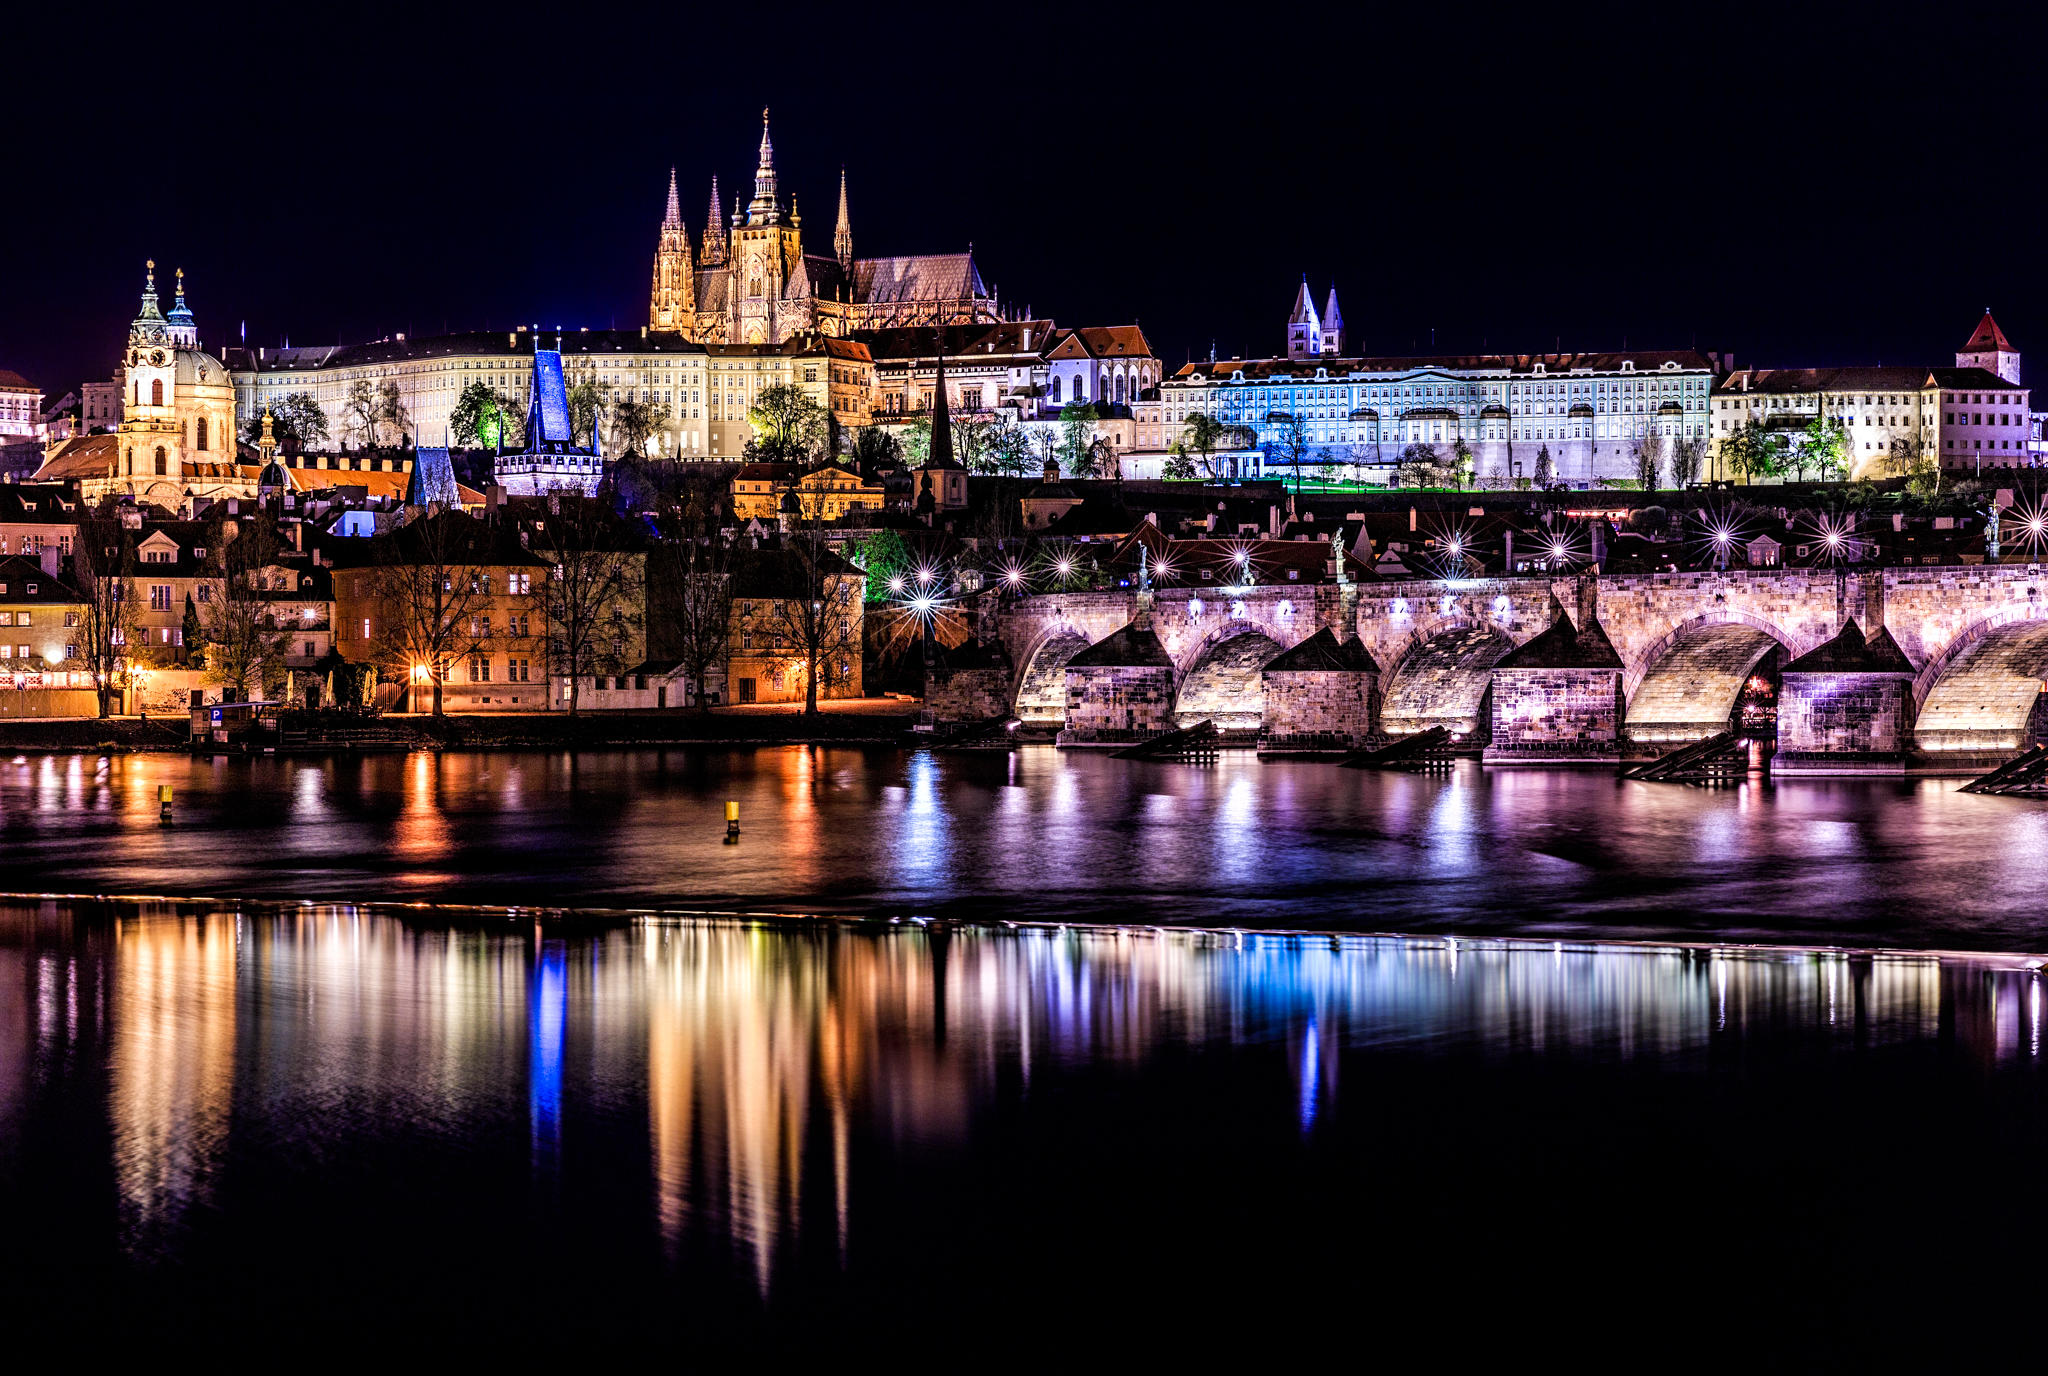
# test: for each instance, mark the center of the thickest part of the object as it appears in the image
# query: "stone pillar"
(1557, 699)
(1318, 697)
(1119, 691)
(1846, 707)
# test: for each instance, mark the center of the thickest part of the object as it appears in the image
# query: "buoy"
(732, 822)
(163, 796)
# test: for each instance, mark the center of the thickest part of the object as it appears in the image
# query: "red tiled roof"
(1988, 336)
(11, 381)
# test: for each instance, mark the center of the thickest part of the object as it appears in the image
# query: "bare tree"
(430, 588)
(1648, 458)
(689, 584)
(1688, 456)
(592, 597)
(243, 642)
(103, 565)
(816, 607)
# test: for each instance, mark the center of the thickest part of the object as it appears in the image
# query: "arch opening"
(1042, 689)
(1445, 681)
(1224, 687)
(1708, 677)
(1988, 695)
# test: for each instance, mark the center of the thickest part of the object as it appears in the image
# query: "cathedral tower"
(714, 232)
(1333, 325)
(766, 249)
(673, 306)
(842, 237)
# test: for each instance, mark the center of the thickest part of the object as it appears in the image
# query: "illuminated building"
(551, 460)
(175, 446)
(754, 284)
(836, 374)
(21, 406)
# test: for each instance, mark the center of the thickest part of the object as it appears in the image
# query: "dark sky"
(1798, 184)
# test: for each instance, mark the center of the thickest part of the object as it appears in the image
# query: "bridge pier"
(1847, 707)
(1557, 698)
(1119, 691)
(1318, 697)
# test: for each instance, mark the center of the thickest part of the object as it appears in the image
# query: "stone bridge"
(1976, 636)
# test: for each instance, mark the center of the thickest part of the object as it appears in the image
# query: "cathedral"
(752, 283)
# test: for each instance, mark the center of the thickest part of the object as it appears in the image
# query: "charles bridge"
(1946, 663)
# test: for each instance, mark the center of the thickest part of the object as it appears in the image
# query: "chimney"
(48, 557)
(1411, 520)
(1508, 555)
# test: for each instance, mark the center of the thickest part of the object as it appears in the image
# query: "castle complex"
(752, 283)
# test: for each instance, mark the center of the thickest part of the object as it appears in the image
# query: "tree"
(634, 421)
(590, 601)
(1178, 467)
(429, 586)
(193, 633)
(1648, 459)
(239, 623)
(375, 414)
(1546, 469)
(1419, 466)
(478, 418)
(914, 444)
(1290, 444)
(1462, 462)
(816, 604)
(881, 556)
(788, 426)
(1077, 430)
(296, 421)
(1688, 456)
(1754, 452)
(1008, 449)
(1824, 445)
(588, 398)
(701, 610)
(971, 440)
(874, 448)
(1202, 432)
(102, 565)
(1916, 461)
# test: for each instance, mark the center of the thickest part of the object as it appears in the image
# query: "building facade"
(175, 446)
(753, 283)
(1587, 410)
(21, 409)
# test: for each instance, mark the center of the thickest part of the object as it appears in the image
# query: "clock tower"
(150, 433)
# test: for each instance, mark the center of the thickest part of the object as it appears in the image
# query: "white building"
(21, 409)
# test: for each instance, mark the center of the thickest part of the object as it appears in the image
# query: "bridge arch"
(1222, 680)
(1685, 685)
(1983, 691)
(1442, 678)
(1042, 687)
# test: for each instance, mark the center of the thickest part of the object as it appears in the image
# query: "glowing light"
(1063, 567)
(924, 605)
(896, 582)
(1194, 609)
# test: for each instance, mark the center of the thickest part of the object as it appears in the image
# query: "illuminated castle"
(752, 282)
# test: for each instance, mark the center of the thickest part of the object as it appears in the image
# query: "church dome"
(198, 368)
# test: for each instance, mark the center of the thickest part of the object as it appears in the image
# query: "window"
(71, 618)
(26, 616)
(479, 669)
(161, 468)
(156, 392)
(201, 434)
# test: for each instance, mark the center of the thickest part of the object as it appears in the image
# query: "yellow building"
(826, 493)
(41, 674)
(837, 374)
(773, 638)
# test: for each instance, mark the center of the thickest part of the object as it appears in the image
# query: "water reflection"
(773, 1070)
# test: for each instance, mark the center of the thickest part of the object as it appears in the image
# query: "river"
(1569, 1109)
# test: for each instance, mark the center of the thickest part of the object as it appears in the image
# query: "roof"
(84, 456)
(920, 277)
(432, 479)
(962, 342)
(1987, 336)
(1261, 369)
(11, 381)
(1133, 646)
(1564, 646)
(24, 580)
(1324, 653)
(495, 343)
(1852, 652)
(1102, 341)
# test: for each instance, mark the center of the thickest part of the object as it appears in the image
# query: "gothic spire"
(842, 237)
(764, 202)
(673, 219)
(714, 232)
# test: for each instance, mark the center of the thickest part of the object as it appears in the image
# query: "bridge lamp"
(1063, 567)
(1013, 577)
(925, 575)
(896, 583)
(923, 604)
(1560, 552)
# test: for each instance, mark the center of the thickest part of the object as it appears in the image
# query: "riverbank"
(867, 721)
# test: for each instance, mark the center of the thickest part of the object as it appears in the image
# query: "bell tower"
(766, 247)
(150, 436)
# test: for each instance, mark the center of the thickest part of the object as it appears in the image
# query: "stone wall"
(1843, 722)
(1443, 683)
(1552, 715)
(1117, 705)
(1316, 710)
(970, 694)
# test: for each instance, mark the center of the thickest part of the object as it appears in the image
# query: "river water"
(292, 1119)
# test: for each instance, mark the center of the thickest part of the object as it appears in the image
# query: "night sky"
(1798, 186)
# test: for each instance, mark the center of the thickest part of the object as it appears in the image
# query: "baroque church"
(176, 446)
(752, 283)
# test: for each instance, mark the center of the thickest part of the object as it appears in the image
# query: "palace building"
(752, 283)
